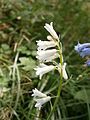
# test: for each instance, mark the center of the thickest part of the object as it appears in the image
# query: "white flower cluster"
(40, 98)
(47, 51)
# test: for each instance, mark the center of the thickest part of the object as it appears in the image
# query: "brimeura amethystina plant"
(48, 51)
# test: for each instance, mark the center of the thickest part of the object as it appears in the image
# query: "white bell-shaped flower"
(63, 68)
(43, 45)
(37, 93)
(50, 29)
(42, 101)
(47, 55)
(43, 69)
(40, 98)
(65, 76)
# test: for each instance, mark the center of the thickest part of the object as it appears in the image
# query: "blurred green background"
(21, 25)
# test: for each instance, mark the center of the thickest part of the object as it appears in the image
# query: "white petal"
(49, 37)
(50, 29)
(38, 105)
(56, 55)
(47, 55)
(38, 93)
(65, 76)
(43, 45)
(43, 69)
(41, 101)
(64, 73)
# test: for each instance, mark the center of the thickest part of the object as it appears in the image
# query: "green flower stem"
(57, 98)
(60, 84)
(56, 101)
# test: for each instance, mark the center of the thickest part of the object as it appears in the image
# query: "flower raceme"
(48, 51)
(40, 98)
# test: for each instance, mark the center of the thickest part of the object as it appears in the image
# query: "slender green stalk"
(14, 71)
(16, 76)
(58, 95)
(18, 89)
(60, 83)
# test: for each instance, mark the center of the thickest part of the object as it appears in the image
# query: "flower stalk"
(60, 84)
(48, 51)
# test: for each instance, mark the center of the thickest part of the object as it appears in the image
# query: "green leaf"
(3, 81)
(84, 95)
(24, 50)
(5, 49)
(5, 46)
(28, 63)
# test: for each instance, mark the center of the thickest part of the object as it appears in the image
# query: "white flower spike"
(50, 29)
(47, 55)
(40, 98)
(43, 69)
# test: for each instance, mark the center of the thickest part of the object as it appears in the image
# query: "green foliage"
(83, 95)
(27, 63)
(21, 24)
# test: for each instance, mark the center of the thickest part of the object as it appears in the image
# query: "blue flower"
(85, 52)
(88, 62)
(83, 49)
(79, 47)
